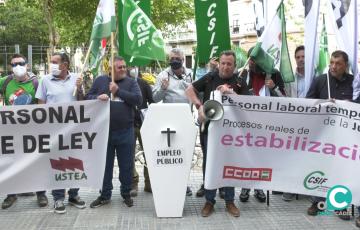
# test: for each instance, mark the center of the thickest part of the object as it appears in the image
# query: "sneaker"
(188, 191)
(77, 202)
(147, 188)
(207, 210)
(343, 214)
(129, 202)
(201, 191)
(222, 193)
(9, 201)
(99, 202)
(260, 195)
(288, 196)
(42, 200)
(59, 207)
(313, 210)
(134, 191)
(232, 209)
(244, 195)
(357, 221)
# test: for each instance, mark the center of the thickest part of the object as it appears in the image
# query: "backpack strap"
(3, 89)
(35, 83)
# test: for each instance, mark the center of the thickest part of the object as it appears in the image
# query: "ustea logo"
(75, 166)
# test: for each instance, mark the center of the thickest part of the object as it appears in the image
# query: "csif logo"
(315, 180)
(71, 169)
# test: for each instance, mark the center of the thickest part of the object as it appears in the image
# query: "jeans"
(122, 142)
(229, 195)
(203, 143)
(59, 194)
(210, 194)
(135, 179)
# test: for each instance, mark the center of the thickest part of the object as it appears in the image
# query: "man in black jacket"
(340, 81)
(340, 89)
(146, 99)
(226, 82)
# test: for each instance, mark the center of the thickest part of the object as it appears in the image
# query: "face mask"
(134, 72)
(54, 70)
(19, 72)
(175, 64)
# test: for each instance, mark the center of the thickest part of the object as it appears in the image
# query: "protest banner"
(53, 146)
(303, 146)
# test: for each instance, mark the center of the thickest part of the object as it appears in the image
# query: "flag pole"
(244, 67)
(157, 61)
(112, 57)
(328, 84)
(84, 64)
(112, 61)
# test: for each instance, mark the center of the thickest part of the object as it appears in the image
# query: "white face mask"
(19, 72)
(54, 69)
(134, 72)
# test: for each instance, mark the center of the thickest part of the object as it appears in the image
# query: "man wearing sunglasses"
(19, 89)
(58, 87)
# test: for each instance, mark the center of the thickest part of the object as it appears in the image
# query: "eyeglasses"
(18, 63)
(121, 67)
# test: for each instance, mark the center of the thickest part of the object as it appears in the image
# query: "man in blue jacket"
(127, 95)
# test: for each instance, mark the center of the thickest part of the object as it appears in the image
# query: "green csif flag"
(212, 29)
(323, 59)
(104, 24)
(146, 7)
(271, 51)
(141, 39)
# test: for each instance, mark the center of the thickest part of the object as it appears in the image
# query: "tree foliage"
(171, 12)
(22, 23)
(69, 22)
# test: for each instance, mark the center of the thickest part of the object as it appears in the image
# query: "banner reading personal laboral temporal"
(46, 147)
(285, 144)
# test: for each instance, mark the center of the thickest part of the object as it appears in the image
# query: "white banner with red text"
(53, 146)
(302, 146)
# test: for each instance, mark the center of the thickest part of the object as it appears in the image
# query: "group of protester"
(130, 94)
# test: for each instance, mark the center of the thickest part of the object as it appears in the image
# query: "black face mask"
(175, 64)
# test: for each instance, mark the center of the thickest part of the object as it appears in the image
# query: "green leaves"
(72, 20)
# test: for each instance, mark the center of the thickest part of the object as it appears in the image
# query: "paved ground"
(25, 214)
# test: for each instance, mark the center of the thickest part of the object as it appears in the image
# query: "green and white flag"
(212, 29)
(104, 24)
(145, 5)
(141, 38)
(271, 51)
(323, 59)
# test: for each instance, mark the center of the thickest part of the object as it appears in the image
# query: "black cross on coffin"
(168, 132)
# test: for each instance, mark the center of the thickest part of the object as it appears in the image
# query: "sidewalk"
(25, 214)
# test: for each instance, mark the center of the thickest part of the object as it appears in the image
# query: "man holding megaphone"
(226, 81)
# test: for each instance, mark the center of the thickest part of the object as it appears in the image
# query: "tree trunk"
(48, 12)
